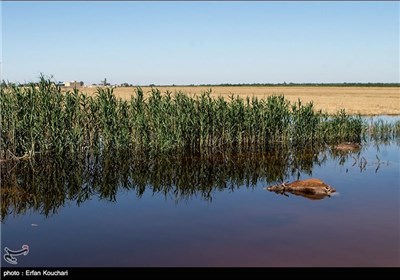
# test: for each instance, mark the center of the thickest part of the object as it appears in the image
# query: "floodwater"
(209, 210)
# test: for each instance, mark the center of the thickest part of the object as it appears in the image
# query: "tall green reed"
(42, 118)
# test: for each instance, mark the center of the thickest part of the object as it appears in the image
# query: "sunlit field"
(355, 100)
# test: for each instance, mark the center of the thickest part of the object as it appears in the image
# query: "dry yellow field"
(355, 100)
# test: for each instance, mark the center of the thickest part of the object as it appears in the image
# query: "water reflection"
(46, 184)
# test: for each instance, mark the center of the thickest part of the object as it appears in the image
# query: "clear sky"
(201, 42)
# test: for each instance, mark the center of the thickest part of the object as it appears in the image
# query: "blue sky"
(201, 42)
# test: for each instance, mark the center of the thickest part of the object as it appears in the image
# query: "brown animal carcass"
(309, 188)
(347, 147)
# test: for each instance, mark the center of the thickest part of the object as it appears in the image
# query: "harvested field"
(355, 100)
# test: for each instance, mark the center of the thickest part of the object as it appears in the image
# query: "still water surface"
(211, 211)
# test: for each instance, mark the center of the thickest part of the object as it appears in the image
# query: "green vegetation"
(379, 131)
(43, 119)
(95, 145)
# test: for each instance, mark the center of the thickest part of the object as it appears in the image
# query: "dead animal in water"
(347, 147)
(309, 188)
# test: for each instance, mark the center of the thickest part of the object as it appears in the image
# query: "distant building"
(74, 84)
(104, 82)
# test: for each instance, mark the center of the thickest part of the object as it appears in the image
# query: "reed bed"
(42, 119)
(381, 131)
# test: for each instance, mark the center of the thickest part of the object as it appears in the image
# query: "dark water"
(205, 211)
